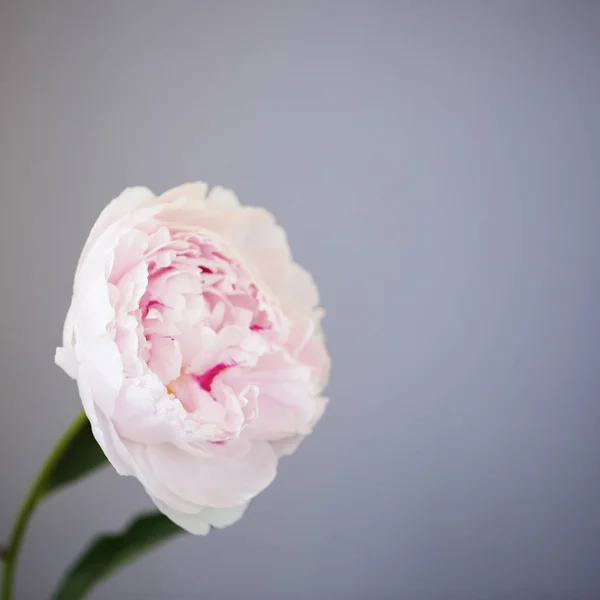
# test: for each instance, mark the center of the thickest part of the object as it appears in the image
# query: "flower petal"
(221, 198)
(214, 481)
(130, 199)
(199, 523)
(195, 191)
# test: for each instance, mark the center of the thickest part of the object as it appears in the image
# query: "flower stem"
(34, 495)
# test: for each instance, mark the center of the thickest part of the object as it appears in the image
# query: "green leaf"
(80, 456)
(108, 552)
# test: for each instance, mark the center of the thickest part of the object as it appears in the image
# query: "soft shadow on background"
(436, 166)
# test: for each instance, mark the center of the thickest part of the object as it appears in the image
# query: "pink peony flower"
(195, 342)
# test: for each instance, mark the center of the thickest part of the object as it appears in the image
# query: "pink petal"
(165, 358)
(212, 480)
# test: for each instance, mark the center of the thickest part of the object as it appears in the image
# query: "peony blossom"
(196, 345)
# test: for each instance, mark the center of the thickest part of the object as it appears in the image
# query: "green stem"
(35, 494)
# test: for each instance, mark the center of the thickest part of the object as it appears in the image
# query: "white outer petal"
(104, 433)
(220, 198)
(64, 356)
(199, 523)
(195, 191)
(129, 200)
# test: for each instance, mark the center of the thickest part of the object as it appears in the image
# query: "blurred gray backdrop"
(436, 165)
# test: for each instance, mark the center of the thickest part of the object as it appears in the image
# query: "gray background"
(436, 165)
